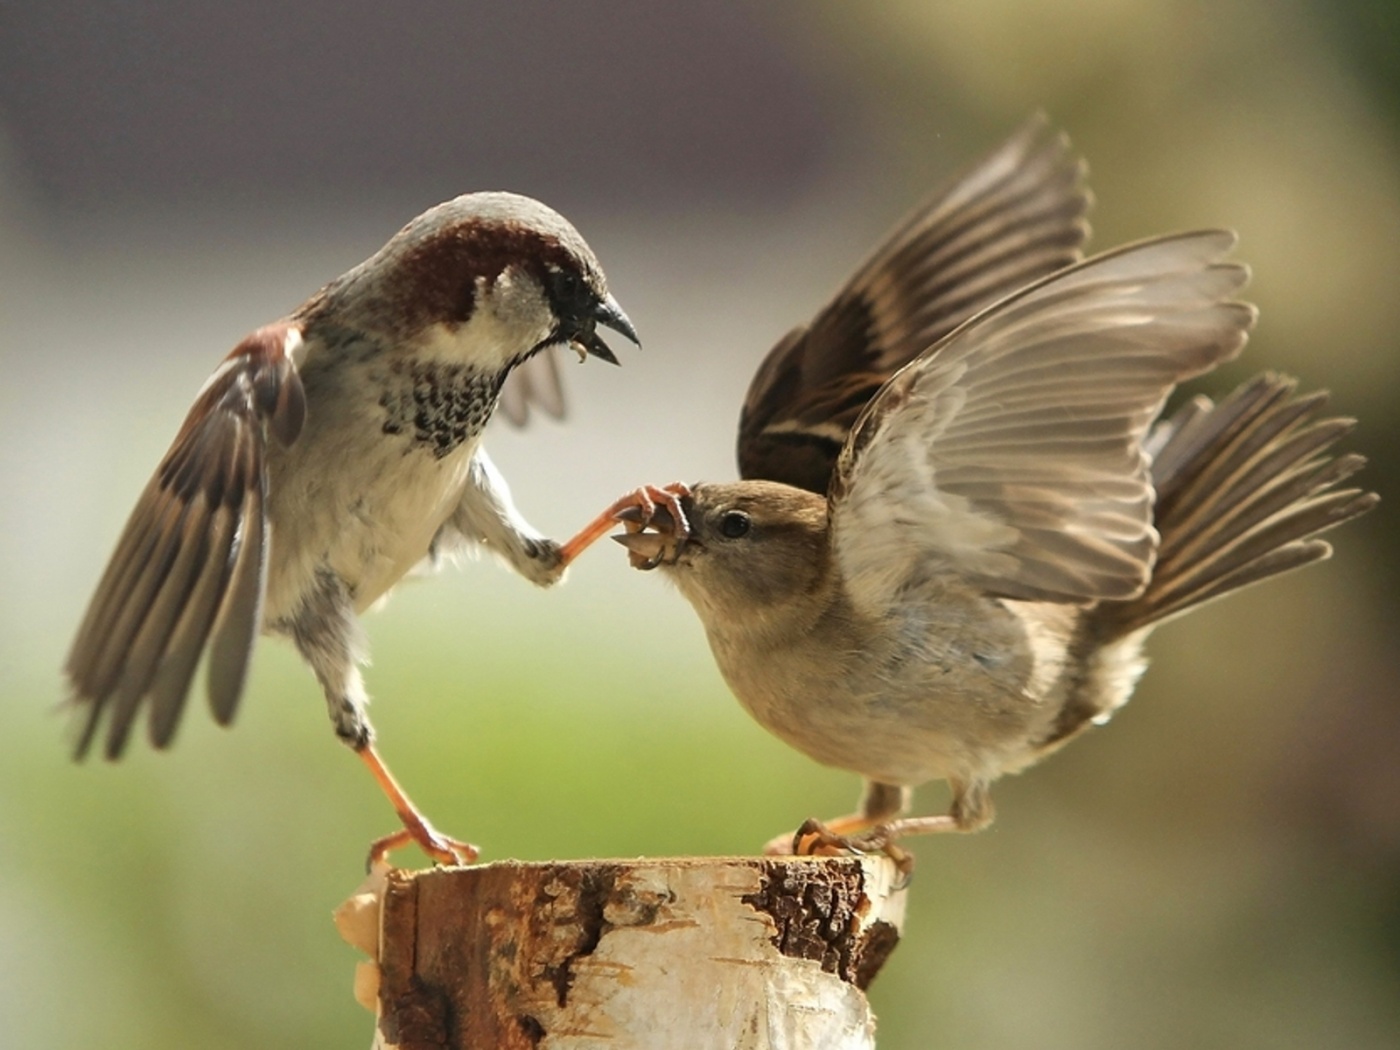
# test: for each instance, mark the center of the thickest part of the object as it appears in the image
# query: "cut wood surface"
(759, 953)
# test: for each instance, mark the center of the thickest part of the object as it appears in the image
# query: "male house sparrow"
(959, 579)
(328, 455)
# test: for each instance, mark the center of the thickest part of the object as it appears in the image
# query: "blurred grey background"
(1218, 868)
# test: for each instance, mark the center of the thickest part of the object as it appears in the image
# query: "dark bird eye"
(735, 524)
(568, 287)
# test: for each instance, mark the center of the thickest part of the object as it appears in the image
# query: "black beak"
(609, 314)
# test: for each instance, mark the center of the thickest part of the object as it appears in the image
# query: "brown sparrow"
(969, 582)
(331, 453)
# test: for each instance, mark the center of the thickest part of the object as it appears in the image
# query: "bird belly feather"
(370, 536)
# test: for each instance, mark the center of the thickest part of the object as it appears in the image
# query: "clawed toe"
(815, 839)
(439, 848)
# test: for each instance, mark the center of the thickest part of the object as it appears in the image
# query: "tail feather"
(1233, 495)
(1271, 494)
(1243, 487)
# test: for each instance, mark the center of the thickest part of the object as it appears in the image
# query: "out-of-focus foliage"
(1220, 867)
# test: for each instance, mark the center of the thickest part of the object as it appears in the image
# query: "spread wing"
(1012, 218)
(1012, 453)
(535, 381)
(187, 575)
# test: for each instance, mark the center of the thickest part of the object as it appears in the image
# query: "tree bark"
(760, 953)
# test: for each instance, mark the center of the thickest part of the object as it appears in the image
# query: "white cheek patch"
(517, 305)
(506, 325)
(294, 346)
(511, 318)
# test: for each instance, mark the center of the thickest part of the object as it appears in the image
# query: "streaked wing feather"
(238, 515)
(1011, 454)
(171, 684)
(1012, 218)
(127, 585)
(191, 555)
(147, 653)
(240, 614)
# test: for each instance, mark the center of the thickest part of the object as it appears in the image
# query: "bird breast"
(380, 465)
(947, 684)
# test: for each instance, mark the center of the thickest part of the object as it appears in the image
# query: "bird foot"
(440, 848)
(815, 839)
(637, 508)
(655, 522)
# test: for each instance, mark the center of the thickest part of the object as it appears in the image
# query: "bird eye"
(735, 524)
(568, 286)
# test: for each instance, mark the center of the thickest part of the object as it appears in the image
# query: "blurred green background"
(1219, 868)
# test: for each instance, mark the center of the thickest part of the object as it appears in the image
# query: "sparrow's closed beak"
(607, 313)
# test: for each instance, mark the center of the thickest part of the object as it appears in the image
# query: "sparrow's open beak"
(607, 313)
(648, 549)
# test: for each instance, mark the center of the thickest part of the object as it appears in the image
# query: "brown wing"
(1011, 219)
(1012, 454)
(534, 382)
(188, 573)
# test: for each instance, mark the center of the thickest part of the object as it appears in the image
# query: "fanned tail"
(1244, 489)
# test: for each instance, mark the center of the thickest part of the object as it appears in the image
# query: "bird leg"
(971, 810)
(877, 825)
(328, 637)
(439, 847)
(640, 506)
(643, 504)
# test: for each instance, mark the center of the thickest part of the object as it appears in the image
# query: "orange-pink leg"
(645, 499)
(441, 848)
(877, 824)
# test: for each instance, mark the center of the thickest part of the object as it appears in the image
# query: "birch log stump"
(759, 953)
